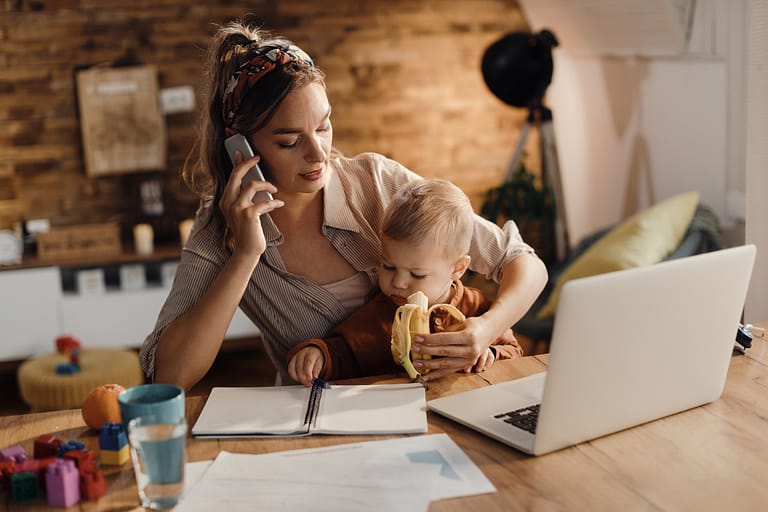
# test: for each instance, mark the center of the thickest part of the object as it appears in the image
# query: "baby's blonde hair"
(431, 210)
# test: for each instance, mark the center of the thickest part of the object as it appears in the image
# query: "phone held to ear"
(238, 142)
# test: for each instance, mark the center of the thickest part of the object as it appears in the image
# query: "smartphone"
(238, 142)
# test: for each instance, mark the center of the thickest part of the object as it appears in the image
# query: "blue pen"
(320, 383)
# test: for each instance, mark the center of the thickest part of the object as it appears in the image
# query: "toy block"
(62, 482)
(42, 467)
(67, 369)
(112, 436)
(65, 344)
(24, 486)
(15, 453)
(70, 446)
(6, 470)
(92, 484)
(115, 457)
(46, 446)
(31, 465)
(83, 459)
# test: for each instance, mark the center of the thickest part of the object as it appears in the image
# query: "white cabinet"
(35, 309)
(113, 319)
(29, 311)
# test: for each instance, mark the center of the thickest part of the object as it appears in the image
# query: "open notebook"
(320, 409)
(628, 347)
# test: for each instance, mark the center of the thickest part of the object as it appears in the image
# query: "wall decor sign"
(121, 123)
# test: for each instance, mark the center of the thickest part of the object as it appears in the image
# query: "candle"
(185, 227)
(143, 238)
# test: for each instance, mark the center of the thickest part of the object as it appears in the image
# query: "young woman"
(297, 265)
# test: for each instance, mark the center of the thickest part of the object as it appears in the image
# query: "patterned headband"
(264, 60)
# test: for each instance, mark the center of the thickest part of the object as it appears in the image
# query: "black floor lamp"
(518, 69)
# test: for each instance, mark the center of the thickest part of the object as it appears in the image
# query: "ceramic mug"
(164, 401)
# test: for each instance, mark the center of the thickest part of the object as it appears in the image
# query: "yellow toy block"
(115, 457)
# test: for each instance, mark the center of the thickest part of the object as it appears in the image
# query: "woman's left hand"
(456, 350)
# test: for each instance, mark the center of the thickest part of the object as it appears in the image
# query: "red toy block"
(92, 484)
(64, 344)
(42, 467)
(6, 470)
(46, 446)
(83, 459)
(31, 465)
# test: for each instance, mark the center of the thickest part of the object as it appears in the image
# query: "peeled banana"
(410, 319)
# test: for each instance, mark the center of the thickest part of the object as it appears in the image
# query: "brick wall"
(403, 78)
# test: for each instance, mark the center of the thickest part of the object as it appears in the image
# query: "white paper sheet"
(377, 475)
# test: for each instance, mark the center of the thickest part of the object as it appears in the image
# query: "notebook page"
(372, 409)
(272, 410)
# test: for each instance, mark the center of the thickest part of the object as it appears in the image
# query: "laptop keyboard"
(524, 418)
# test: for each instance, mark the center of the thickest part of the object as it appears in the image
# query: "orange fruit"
(101, 405)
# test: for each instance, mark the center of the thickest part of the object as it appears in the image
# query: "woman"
(298, 264)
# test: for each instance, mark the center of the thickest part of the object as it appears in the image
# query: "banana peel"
(410, 319)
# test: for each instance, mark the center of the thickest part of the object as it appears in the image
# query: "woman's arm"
(188, 345)
(522, 281)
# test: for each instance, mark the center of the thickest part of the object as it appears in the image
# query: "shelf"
(168, 252)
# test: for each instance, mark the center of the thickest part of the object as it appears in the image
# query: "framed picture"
(121, 123)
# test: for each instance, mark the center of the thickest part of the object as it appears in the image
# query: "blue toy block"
(24, 486)
(67, 369)
(70, 445)
(62, 482)
(112, 436)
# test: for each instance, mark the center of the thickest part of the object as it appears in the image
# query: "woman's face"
(296, 143)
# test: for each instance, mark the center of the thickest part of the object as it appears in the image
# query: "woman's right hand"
(243, 216)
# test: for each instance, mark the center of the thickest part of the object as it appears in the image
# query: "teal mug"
(164, 401)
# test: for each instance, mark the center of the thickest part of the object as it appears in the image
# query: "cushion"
(643, 239)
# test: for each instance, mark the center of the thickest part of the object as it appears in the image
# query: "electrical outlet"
(177, 99)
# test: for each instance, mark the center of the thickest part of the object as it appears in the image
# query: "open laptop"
(628, 347)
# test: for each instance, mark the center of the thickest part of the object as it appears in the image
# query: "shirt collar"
(337, 211)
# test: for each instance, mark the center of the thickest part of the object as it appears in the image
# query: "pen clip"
(322, 384)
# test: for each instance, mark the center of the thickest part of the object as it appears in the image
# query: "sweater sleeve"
(507, 347)
(358, 346)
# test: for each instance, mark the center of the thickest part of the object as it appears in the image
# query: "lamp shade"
(518, 67)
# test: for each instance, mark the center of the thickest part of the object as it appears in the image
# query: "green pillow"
(645, 238)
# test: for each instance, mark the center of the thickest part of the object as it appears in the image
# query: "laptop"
(628, 347)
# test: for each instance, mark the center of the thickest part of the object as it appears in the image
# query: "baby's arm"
(306, 364)
(485, 360)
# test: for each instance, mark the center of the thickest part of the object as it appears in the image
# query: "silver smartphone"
(238, 142)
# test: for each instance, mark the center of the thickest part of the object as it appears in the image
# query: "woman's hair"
(233, 46)
(431, 210)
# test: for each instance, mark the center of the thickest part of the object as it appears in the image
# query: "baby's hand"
(305, 365)
(485, 361)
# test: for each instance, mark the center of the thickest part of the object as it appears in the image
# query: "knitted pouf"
(44, 390)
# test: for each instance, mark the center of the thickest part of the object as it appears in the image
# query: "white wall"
(757, 159)
(633, 131)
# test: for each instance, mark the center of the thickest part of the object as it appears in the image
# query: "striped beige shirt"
(289, 308)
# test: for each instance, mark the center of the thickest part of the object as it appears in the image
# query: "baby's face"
(407, 267)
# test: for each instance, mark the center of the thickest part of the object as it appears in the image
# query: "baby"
(425, 237)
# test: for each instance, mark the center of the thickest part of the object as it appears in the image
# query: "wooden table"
(713, 457)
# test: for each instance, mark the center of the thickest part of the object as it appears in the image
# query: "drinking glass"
(158, 453)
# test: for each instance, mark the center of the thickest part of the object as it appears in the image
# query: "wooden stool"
(43, 389)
